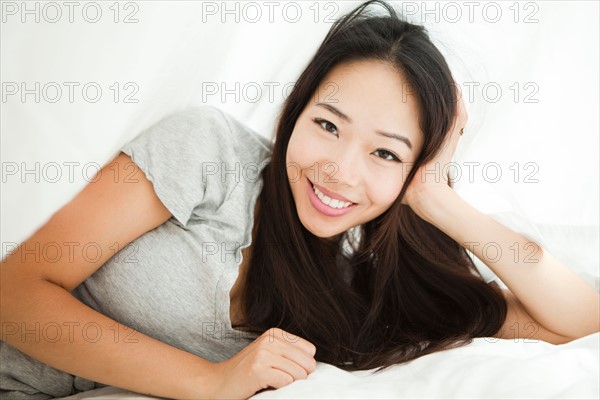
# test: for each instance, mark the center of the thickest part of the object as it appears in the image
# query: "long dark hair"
(414, 290)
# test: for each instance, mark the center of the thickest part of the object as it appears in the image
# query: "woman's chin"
(322, 231)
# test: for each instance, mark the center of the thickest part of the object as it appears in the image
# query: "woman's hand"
(275, 359)
(429, 181)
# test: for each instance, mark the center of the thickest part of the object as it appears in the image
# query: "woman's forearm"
(551, 293)
(47, 323)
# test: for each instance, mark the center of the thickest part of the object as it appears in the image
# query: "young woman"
(331, 244)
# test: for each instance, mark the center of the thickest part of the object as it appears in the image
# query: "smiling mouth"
(328, 201)
(324, 204)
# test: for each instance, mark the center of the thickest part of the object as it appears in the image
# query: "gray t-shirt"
(173, 282)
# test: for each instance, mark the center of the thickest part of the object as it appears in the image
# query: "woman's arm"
(46, 322)
(555, 296)
(541, 287)
(41, 318)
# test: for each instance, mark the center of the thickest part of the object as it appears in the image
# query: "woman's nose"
(343, 168)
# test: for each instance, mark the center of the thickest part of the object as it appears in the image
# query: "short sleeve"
(179, 155)
(518, 224)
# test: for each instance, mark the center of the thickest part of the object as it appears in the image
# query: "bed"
(487, 368)
(530, 73)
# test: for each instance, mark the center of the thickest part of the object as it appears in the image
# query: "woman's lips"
(322, 207)
(331, 194)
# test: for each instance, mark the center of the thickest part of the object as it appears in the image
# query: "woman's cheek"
(304, 150)
(386, 189)
(294, 151)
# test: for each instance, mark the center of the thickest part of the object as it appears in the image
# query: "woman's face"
(342, 144)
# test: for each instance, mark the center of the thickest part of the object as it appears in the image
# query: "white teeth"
(333, 203)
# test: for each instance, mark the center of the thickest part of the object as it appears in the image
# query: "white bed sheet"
(487, 368)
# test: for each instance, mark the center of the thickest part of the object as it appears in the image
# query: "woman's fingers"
(290, 367)
(286, 338)
(289, 357)
(301, 358)
(275, 359)
(296, 349)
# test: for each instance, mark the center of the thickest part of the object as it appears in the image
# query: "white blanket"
(488, 368)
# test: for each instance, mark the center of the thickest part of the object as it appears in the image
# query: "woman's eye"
(388, 155)
(326, 125)
(331, 128)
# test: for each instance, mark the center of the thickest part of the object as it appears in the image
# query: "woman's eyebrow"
(346, 118)
(336, 112)
(401, 138)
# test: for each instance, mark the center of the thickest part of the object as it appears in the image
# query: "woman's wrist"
(432, 205)
(204, 382)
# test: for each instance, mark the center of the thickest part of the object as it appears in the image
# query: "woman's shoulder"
(205, 122)
(222, 125)
(205, 133)
(201, 114)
